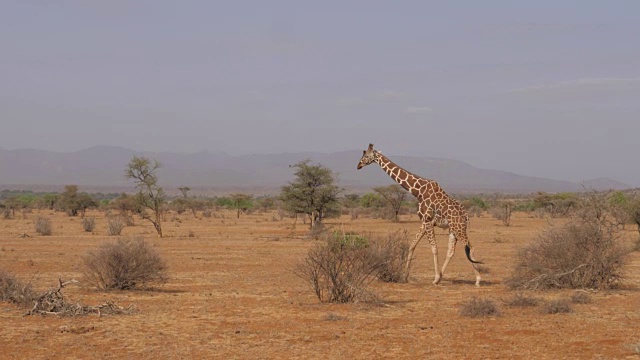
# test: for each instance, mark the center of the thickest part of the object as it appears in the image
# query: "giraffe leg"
(412, 248)
(450, 251)
(475, 269)
(434, 249)
(461, 234)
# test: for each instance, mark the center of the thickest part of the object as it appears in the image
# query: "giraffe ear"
(370, 147)
(364, 152)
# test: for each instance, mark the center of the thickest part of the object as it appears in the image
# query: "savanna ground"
(232, 294)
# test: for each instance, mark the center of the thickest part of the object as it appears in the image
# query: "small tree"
(126, 206)
(393, 195)
(241, 202)
(150, 196)
(266, 203)
(502, 211)
(312, 193)
(74, 203)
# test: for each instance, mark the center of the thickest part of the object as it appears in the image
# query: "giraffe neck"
(406, 179)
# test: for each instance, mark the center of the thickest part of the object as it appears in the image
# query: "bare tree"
(502, 211)
(394, 196)
(150, 196)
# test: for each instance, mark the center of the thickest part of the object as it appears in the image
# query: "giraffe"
(435, 208)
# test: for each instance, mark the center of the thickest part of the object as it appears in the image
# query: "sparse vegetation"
(339, 269)
(478, 307)
(88, 224)
(393, 195)
(14, 291)
(558, 306)
(502, 211)
(580, 297)
(125, 264)
(115, 224)
(523, 300)
(42, 225)
(390, 253)
(584, 253)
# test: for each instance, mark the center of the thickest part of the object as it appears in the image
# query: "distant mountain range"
(103, 167)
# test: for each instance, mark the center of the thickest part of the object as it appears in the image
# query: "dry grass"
(558, 306)
(231, 295)
(522, 300)
(580, 297)
(477, 307)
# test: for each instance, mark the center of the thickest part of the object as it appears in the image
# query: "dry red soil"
(232, 294)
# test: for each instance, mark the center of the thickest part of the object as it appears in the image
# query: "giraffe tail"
(467, 251)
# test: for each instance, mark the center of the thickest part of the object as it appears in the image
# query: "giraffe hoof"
(436, 281)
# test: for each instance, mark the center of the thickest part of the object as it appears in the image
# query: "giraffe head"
(368, 156)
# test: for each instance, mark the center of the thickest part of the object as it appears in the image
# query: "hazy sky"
(545, 88)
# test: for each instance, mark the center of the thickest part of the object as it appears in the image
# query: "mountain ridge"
(103, 165)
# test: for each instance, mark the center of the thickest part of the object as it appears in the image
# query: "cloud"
(419, 110)
(578, 84)
(376, 97)
(354, 100)
(389, 95)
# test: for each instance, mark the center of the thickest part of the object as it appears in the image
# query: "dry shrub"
(124, 264)
(580, 298)
(477, 307)
(474, 211)
(559, 306)
(390, 254)
(7, 214)
(339, 269)
(581, 254)
(42, 225)
(502, 211)
(522, 300)
(88, 224)
(115, 225)
(14, 291)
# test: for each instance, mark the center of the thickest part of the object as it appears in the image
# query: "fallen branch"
(53, 302)
(552, 278)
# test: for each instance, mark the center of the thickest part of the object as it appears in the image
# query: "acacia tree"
(241, 202)
(73, 202)
(393, 195)
(150, 196)
(126, 206)
(313, 192)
